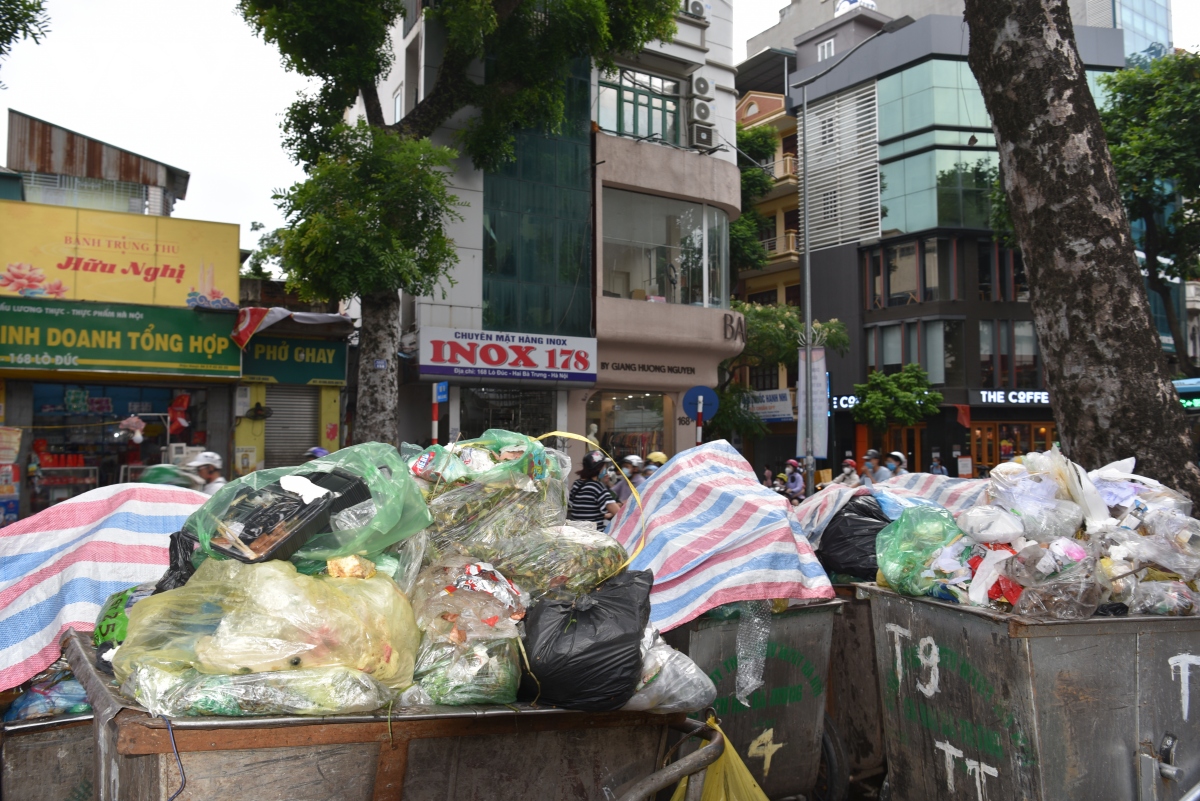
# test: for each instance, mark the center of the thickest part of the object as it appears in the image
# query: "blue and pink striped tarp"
(59, 566)
(714, 535)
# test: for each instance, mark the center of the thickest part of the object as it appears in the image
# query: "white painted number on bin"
(1182, 664)
(927, 654)
(978, 770)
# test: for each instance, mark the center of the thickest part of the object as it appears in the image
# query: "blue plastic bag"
(52, 693)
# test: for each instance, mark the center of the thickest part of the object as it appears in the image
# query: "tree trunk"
(379, 388)
(1107, 374)
(1163, 289)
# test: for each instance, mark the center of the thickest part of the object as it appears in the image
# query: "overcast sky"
(189, 85)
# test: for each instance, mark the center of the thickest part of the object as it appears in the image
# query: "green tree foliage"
(1152, 120)
(21, 19)
(903, 398)
(391, 235)
(756, 147)
(265, 256)
(774, 335)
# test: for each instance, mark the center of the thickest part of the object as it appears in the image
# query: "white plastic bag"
(671, 682)
(990, 524)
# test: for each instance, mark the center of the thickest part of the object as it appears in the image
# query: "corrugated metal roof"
(38, 146)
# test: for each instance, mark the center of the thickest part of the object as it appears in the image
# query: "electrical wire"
(178, 761)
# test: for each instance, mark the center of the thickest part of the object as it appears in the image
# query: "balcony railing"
(779, 247)
(784, 168)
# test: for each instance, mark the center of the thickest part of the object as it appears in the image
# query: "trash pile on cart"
(1041, 538)
(377, 578)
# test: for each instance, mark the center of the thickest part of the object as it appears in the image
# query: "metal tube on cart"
(436, 409)
(700, 420)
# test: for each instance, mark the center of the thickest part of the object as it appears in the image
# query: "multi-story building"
(901, 160)
(599, 253)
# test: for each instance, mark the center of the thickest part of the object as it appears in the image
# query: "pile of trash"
(1048, 540)
(375, 578)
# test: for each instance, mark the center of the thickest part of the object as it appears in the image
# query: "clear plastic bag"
(238, 620)
(1058, 519)
(1171, 598)
(906, 548)
(1118, 577)
(474, 672)
(990, 524)
(459, 600)
(258, 511)
(1070, 594)
(1162, 550)
(54, 691)
(558, 562)
(753, 632)
(408, 556)
(671, 682)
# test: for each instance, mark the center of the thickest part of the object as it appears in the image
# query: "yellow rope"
(641, 543)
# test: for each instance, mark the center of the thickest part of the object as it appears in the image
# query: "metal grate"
(843, 168)
(294, 424)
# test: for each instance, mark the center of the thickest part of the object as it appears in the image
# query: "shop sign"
(772, 407)
(841, 403)
(111, 337)
(500, 355)
(287, 360)
(67, 253)
(1009, 397)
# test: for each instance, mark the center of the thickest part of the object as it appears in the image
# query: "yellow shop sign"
(67, 253)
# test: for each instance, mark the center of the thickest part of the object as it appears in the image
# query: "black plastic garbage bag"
(848, 544)
(180, 568)
(586, 653)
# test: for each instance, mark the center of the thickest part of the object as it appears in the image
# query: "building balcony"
(786, 172)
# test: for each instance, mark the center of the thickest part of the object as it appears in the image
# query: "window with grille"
(764, 377)
(640, 104)
(765, 298)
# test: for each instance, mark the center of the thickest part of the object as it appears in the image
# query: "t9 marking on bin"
(927, 654)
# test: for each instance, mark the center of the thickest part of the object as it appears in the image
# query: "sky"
(189, 85)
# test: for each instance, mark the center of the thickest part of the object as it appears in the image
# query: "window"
(1005, 360)
(874, 280)
(985, 271)
(944, 353)
(871, 364)
(655, 249)
(764, 377)
(914, 344)
(936, 265)
(987, 353)
(1025, 353)
(792, 296)
(633, 422)
(1020, 279)
(828, 129)
(825, 50)
(767, 297)
(902, 274)
(893, 356)
(398, 104)
(639, 104)
(1004, 274)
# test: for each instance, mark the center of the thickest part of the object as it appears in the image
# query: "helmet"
(316, 452)
(633, 459)
(208, 458)
(849, 463)
(649, 471)
(658, 457)
(594, 460)
(871, 454)
(898, 456)
(793, 463)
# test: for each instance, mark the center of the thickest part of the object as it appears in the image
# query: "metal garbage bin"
(779, 736)
(981, 705)
(852, 695)
(47, 759)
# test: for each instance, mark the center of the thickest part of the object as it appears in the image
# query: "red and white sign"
(500, 355)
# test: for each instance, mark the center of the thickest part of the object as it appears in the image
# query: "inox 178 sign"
(506, 357)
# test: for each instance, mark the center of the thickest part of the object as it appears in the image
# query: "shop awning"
(254, 319)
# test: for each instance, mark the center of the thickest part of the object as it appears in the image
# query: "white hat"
(207, 458)
(633, 459)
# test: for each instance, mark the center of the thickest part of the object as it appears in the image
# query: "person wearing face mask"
(631, 466)
(873, 471)
(795, 479)
(895, 463)
(590, 498)
(847, 478)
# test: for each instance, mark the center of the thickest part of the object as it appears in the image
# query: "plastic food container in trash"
(782, 735)
(983, 705)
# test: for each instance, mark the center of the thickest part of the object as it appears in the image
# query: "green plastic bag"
(906, 547)
(394, 512)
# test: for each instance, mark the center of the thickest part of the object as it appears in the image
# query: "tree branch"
(370, 96)
(453, 90)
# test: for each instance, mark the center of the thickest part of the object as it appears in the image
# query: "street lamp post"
(810, 463)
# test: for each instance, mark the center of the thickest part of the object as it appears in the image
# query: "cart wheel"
(833, 773)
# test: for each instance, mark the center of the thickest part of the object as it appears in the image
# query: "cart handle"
(688, 766)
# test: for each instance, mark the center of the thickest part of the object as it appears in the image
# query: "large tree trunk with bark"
(1107, 374)
(377, 416)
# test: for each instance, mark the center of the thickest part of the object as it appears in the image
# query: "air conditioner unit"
(700, 111)
(701, 87)
(702, 136)
(696, 8)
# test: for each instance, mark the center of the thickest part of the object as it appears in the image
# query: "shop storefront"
(290, 400)
(105, 317)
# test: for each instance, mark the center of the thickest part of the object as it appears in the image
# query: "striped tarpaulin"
(714, 535)
(59, 566)
(956, 494)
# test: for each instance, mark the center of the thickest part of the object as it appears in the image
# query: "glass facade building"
(1147, 26)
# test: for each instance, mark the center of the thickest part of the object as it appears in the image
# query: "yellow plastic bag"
(727, 779)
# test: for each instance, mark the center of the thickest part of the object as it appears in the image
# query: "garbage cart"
(502, 752)
(49, 759)
(780, 735)
(852, 696)
(983, 705)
